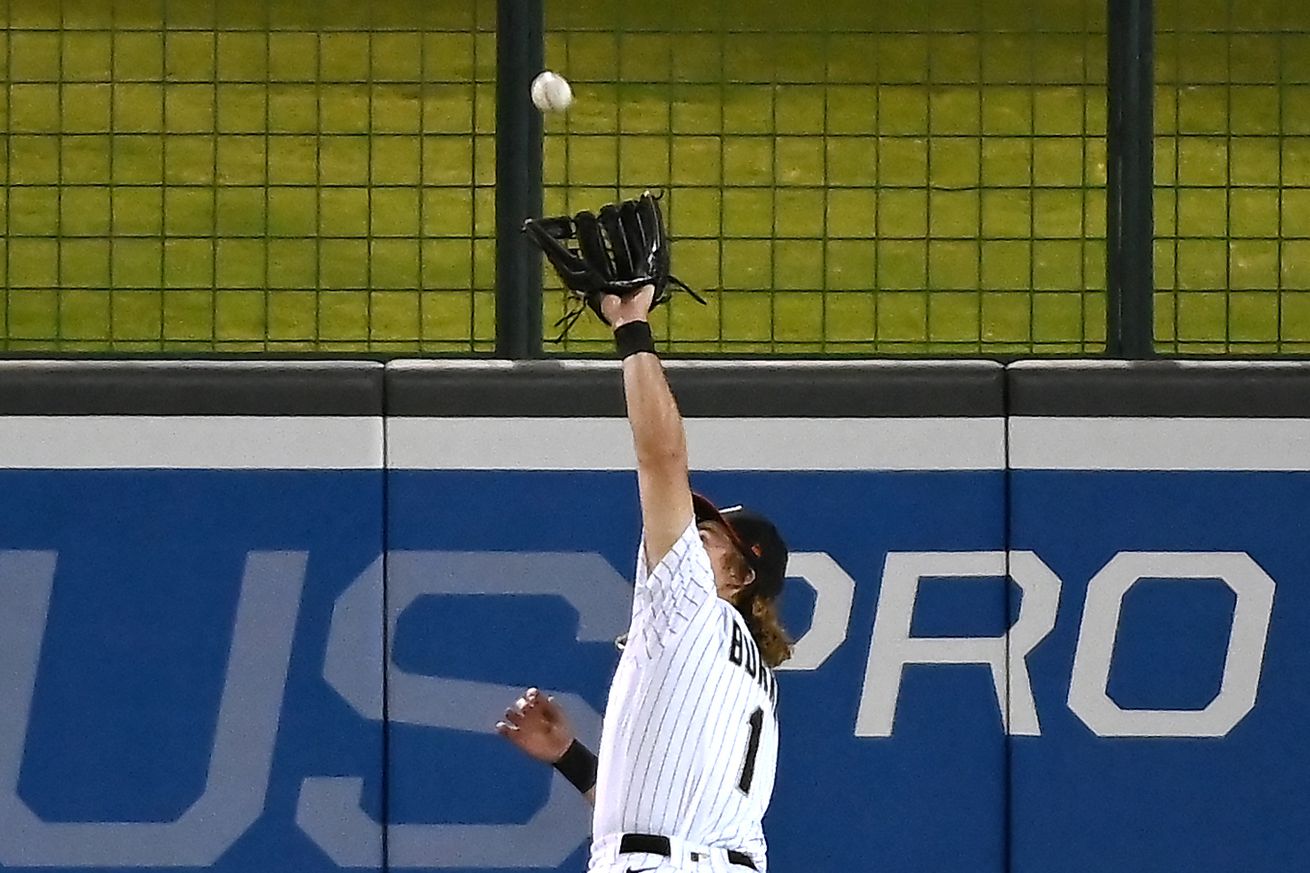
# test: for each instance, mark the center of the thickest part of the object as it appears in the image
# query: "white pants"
(683, 857)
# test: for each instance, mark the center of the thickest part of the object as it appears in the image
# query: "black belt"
(656, 845)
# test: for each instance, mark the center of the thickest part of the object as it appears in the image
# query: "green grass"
(896, 178)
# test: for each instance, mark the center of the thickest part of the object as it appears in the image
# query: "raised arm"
(657, 434)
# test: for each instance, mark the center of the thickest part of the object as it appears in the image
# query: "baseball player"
(689, 743)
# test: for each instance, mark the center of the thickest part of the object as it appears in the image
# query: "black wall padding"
(1184, 389)
(545, 389)
(190, 388)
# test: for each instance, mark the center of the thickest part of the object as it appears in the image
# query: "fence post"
(520, 53)
(1130, 242)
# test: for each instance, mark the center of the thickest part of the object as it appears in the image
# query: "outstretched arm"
(538, 726)
(657, 435)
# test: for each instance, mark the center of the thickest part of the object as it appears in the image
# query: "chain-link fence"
(195, 175)
(1232, 195)
(865, 177)
(868, 177)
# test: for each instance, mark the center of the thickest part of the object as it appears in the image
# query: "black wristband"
(633, 337)
(578, 765)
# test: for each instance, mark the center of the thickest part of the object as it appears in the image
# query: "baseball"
(551, 92)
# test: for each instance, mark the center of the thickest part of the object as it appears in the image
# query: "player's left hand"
(538, 726)
(618, 311)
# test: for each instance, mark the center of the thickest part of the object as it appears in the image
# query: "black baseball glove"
(619, 251)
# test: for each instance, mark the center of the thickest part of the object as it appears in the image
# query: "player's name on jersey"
(745, 654)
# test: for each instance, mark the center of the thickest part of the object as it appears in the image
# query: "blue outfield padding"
(178, 625)
(1215, 569)
(512, 546)
(232, 638)
(1172, 691)
(172, 686)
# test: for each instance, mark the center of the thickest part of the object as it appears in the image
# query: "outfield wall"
(248, 612)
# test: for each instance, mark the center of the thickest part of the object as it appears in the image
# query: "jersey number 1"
(752, 749)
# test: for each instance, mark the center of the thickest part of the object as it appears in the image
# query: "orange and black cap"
(756, 538)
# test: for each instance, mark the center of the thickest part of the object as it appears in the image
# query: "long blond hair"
(761, 614)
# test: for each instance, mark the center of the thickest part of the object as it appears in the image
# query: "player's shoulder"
(687, 556)
(730, 617)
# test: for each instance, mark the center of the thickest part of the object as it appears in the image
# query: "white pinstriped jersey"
(689, 747)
